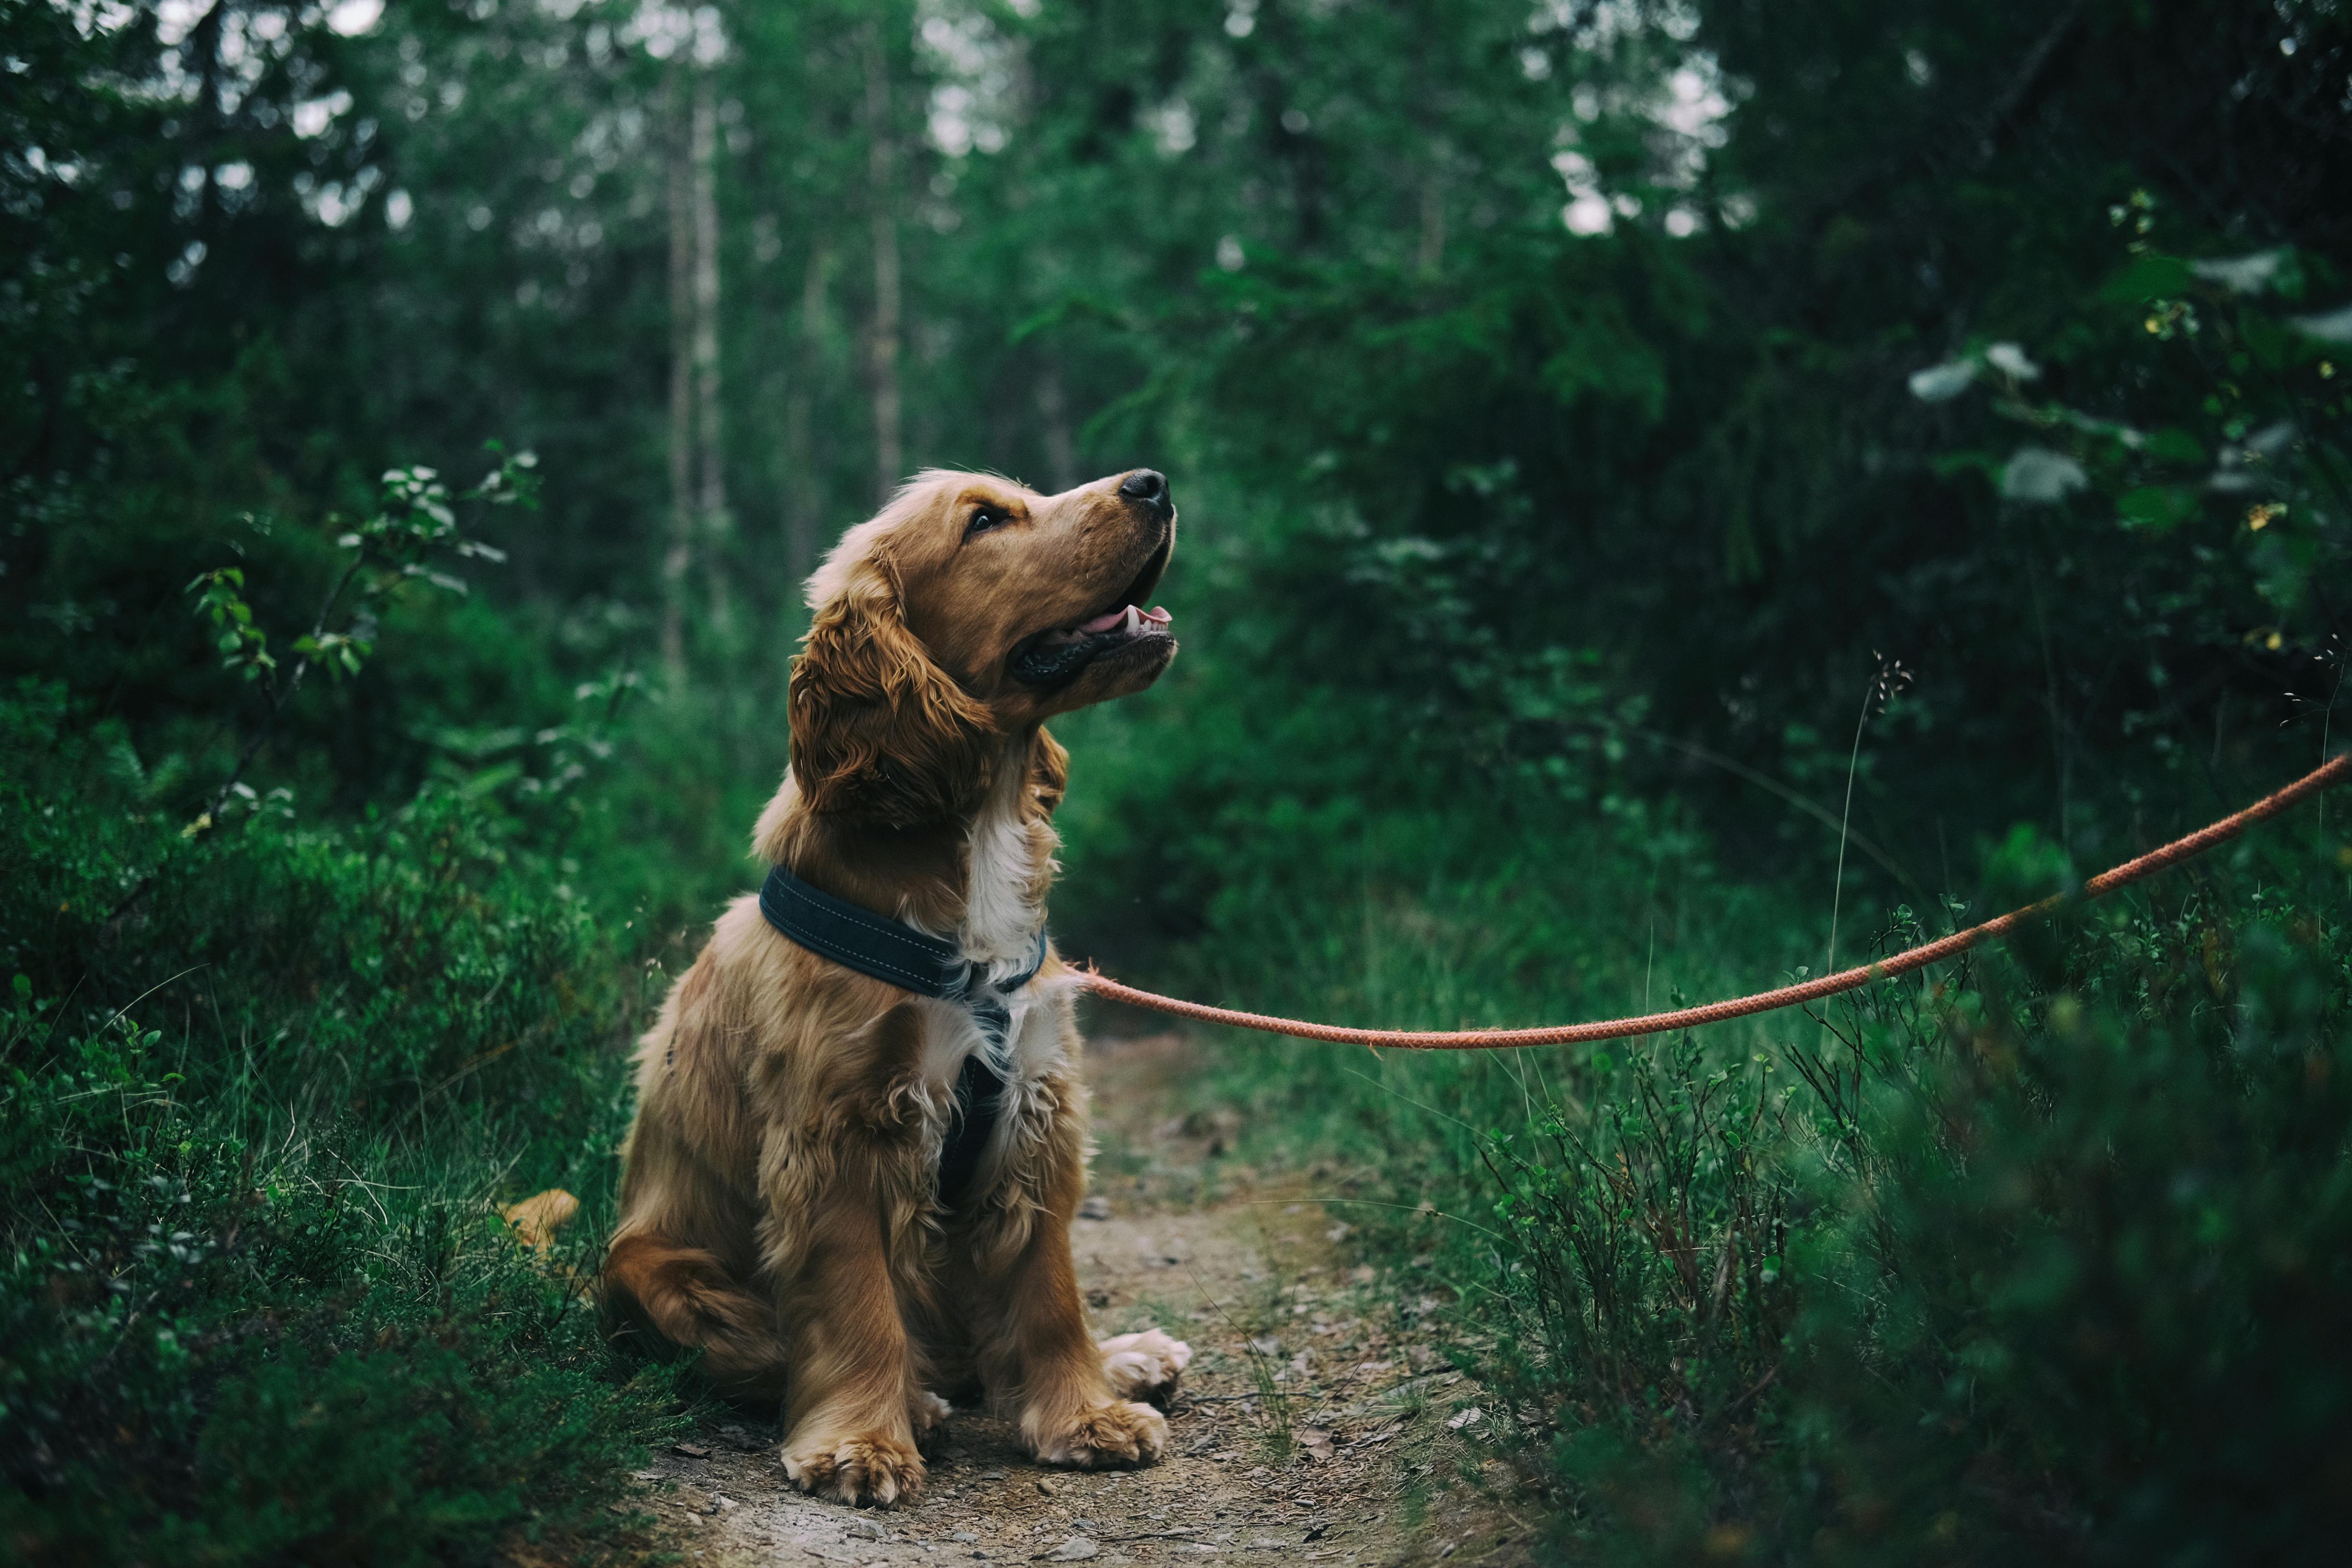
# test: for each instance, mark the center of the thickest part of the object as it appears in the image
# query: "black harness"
(861, 940)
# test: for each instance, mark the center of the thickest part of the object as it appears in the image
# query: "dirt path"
(1315, 1424)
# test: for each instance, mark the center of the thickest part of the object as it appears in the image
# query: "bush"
(2044, 1260)
(260, 1086)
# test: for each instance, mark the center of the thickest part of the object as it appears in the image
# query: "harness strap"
(899, 954)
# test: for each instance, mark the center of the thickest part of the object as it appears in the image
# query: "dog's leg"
(670, 1279)
(844, 1238)
(687, 1297)
(850, 1432)
(1036, 1354)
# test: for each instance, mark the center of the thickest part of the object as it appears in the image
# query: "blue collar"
(913, 961)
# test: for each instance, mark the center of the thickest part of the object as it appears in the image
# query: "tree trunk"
(711, 498)
(804, 498)
(883, 341)
(679, 557)
(1431, 252)
(1061, 450)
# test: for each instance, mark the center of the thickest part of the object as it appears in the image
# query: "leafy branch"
(2273, 460)
(414, 528)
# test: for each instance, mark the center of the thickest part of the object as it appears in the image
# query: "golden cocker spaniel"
(860, 1134)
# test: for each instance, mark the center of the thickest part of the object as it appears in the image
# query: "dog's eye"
(985, 518)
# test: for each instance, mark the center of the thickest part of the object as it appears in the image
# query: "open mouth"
(1055, 655)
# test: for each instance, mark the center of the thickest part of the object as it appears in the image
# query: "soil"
(1318, 1422)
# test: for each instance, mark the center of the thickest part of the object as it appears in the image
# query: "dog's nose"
(1148, 486)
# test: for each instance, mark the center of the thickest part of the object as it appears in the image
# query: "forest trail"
(1359, 1465)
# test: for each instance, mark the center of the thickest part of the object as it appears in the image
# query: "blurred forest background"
(1673, 493)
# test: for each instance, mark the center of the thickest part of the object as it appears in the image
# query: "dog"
(850, 1181)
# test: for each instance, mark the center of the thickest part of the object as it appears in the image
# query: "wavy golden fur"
(780, 1213)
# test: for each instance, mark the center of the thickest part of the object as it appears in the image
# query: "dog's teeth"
(1133, 616)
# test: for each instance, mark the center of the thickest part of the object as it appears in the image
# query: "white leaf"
(1940, 382)
(1454, 1423)
(2039, 474)
(2010, 360)
(2271, 439)
(2241, 274)
(2332, 326)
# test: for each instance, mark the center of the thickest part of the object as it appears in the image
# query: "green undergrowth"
(2042, 1257)
(259, 1089)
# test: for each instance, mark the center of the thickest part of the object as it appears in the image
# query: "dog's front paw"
(868, 1470)
(1105, 1436)
(1144, 1365)
(929, 1413)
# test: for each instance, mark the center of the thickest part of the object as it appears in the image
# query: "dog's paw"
(1105, 1436)
(870, 1471)
(1144, 1365)
(928, 1415)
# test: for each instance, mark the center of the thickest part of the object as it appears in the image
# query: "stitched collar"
(871, 945)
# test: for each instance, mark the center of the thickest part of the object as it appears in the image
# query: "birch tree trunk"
(1061, 450)
(1431, 251)
(883, 341)
(709, 429)
(803, 498)
(679, 557)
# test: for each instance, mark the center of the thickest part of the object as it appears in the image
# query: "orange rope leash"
(2331, 773)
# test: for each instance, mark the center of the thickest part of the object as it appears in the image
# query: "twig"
(1837, 878)
(1766, 781)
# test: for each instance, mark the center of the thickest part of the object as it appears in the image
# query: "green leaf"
(2158, 508)
(2268, 341)
(2148, 278)
(2174, 445)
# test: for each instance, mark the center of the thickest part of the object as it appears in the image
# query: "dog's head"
(970, 609)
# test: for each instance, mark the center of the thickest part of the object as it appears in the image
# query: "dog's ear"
(1049, 772)
(880, 733)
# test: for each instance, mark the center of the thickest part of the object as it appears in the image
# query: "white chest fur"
(1003, 914)
(1004, 907)
(1032, 1043)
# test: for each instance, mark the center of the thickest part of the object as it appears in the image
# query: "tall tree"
(678, 188)
(889, 458)
(715, 521)
(804, 495)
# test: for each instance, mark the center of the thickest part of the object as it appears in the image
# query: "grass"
(2029, 1260)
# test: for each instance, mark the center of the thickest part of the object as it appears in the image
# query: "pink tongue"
(1105, 621)
(1156, 616)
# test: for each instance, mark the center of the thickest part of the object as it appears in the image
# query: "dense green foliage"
(2039, 1261)
(255, 1306)
(1663, 485)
